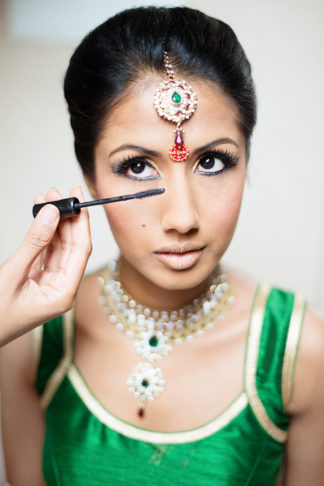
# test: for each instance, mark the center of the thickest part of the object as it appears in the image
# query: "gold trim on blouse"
(251, 366)
(138, 433)
(62, 368)
(248, 395)
(293, 337)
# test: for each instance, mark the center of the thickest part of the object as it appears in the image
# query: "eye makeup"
(136, 164)
(227, 158)
(139, 165)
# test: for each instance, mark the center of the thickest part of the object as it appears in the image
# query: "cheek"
(224, 210)
(123, 220)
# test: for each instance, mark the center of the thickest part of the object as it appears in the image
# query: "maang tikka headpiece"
(175, 101)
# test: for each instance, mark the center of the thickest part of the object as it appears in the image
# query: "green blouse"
(86, 445)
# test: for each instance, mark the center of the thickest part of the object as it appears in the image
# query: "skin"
(40, 280)
(201, 210)
(195, 210)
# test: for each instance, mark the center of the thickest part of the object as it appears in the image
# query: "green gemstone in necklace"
(145, 383)
(176, 98)
(153, 341)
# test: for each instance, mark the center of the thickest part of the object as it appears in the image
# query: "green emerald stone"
(153, 342)
(176, 98)
(145, 383)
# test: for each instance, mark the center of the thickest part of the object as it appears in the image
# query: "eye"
(209, 163)
(135, 168)
(140, 168)
(215, 162)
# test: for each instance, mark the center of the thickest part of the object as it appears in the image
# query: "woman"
(158, 376)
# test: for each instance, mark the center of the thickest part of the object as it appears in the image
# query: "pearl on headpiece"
(175, 101)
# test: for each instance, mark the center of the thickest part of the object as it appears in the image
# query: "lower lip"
(179, 261)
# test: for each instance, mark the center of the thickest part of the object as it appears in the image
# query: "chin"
(153, 274)
(189, 278)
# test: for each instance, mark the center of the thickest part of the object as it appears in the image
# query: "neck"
(147, 293)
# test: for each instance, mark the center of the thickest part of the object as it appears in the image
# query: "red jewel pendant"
(179, 151)
(140, 412)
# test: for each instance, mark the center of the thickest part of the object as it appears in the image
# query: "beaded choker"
(154, 332)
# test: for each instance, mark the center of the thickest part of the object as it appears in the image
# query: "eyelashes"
(213, 162)
(221, 160)
(142, 168)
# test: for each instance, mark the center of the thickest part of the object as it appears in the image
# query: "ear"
(91, 186)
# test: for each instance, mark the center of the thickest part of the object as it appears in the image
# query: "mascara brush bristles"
(137, 195)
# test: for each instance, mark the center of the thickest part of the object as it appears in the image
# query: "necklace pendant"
(141, 411)
(145, 382)
(154, 333)
(153, 345)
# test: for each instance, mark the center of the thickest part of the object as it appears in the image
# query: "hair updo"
(130, 44)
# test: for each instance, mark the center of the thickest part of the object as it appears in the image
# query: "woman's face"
(173, 240)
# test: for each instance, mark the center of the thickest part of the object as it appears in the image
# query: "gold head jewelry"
(174, 100)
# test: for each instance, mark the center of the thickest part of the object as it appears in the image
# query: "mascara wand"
(71, 206)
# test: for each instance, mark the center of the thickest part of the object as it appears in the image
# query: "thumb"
(37, 239)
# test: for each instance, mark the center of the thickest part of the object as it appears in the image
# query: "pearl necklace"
(155, 332)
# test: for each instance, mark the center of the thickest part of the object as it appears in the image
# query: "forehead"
(134, 118)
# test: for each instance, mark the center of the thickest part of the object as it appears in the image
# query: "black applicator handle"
(71, 206)
(67, 207)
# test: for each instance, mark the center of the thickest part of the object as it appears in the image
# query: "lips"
(180, 257)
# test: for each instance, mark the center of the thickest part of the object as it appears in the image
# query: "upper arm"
(305, 444)
(22, 417)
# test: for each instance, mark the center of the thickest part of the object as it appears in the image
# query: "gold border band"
(251, 366)
(295, 326)
(138, 433)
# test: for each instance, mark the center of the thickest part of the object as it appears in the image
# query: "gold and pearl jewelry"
(174, 100)
(154, 332)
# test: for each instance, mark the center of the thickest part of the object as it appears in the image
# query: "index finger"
(80, 241)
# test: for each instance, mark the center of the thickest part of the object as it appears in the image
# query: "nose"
(180, 212)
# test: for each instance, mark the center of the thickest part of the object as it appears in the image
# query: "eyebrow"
(128, 146)
(218, 141)
(153, 153)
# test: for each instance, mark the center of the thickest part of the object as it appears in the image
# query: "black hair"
(130, 44)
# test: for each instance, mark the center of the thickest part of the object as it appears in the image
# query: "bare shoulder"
(308, 383)
(243, 288)
(87, 308)
(305, 443)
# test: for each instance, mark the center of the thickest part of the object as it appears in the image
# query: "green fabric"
(271, 354)
(79, 450)
(52, 352)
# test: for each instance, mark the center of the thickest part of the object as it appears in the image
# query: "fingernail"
(49, 214)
